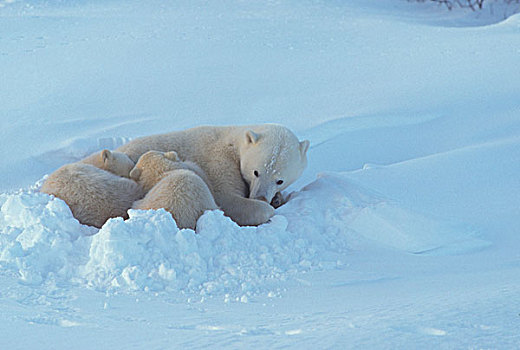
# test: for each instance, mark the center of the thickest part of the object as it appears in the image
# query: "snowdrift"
(40, 240)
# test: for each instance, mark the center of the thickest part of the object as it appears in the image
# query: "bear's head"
(271, 158)
(151, 167)
(116, 162)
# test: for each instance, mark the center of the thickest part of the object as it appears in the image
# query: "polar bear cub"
(153, 166)
(93, 195)
(179, 187)
(115, 162)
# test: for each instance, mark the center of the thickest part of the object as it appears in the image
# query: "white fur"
(93, 195)
(173, 185)
(183, 193)
(229, 156)
(153, 166)
(115, 162)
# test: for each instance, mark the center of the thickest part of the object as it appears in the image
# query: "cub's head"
(271, 158)
(116, 162)
(152, 166)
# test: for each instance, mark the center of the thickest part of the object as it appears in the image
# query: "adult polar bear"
(245, 165)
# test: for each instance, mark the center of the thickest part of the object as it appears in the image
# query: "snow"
(402, 232)
(148, 252)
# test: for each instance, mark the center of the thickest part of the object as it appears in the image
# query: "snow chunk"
(39, 237)
(137, 254)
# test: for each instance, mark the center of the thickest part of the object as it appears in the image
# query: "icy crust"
(316, 229)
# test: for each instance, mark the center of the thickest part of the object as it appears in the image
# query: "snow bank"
(149, 252)
(40, 240)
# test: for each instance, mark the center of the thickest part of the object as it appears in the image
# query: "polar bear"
(173, 185)
(93, 195)
(245, 165)
(115, 162)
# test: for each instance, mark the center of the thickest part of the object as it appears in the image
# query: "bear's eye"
(256, 173)
(279, 182)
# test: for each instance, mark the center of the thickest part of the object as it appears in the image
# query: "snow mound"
(315, 230)
(39, 237)
(348, 209)
(149, 252)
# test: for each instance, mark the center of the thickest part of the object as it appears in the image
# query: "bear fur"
(173, 185)
(93, 195)
(115, 162)
(245, 165)
(153, 166)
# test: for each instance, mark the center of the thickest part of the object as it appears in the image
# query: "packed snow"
(402, 232)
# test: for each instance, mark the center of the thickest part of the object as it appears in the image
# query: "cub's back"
(93, 195)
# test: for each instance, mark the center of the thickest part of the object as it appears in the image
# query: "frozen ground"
(403, 232)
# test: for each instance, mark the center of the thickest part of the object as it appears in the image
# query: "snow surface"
(402, 232)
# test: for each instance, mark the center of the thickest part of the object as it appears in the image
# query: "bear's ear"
(172, 155)
(135, 174)
(106, 155)
(251, 137)
(304, 146)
